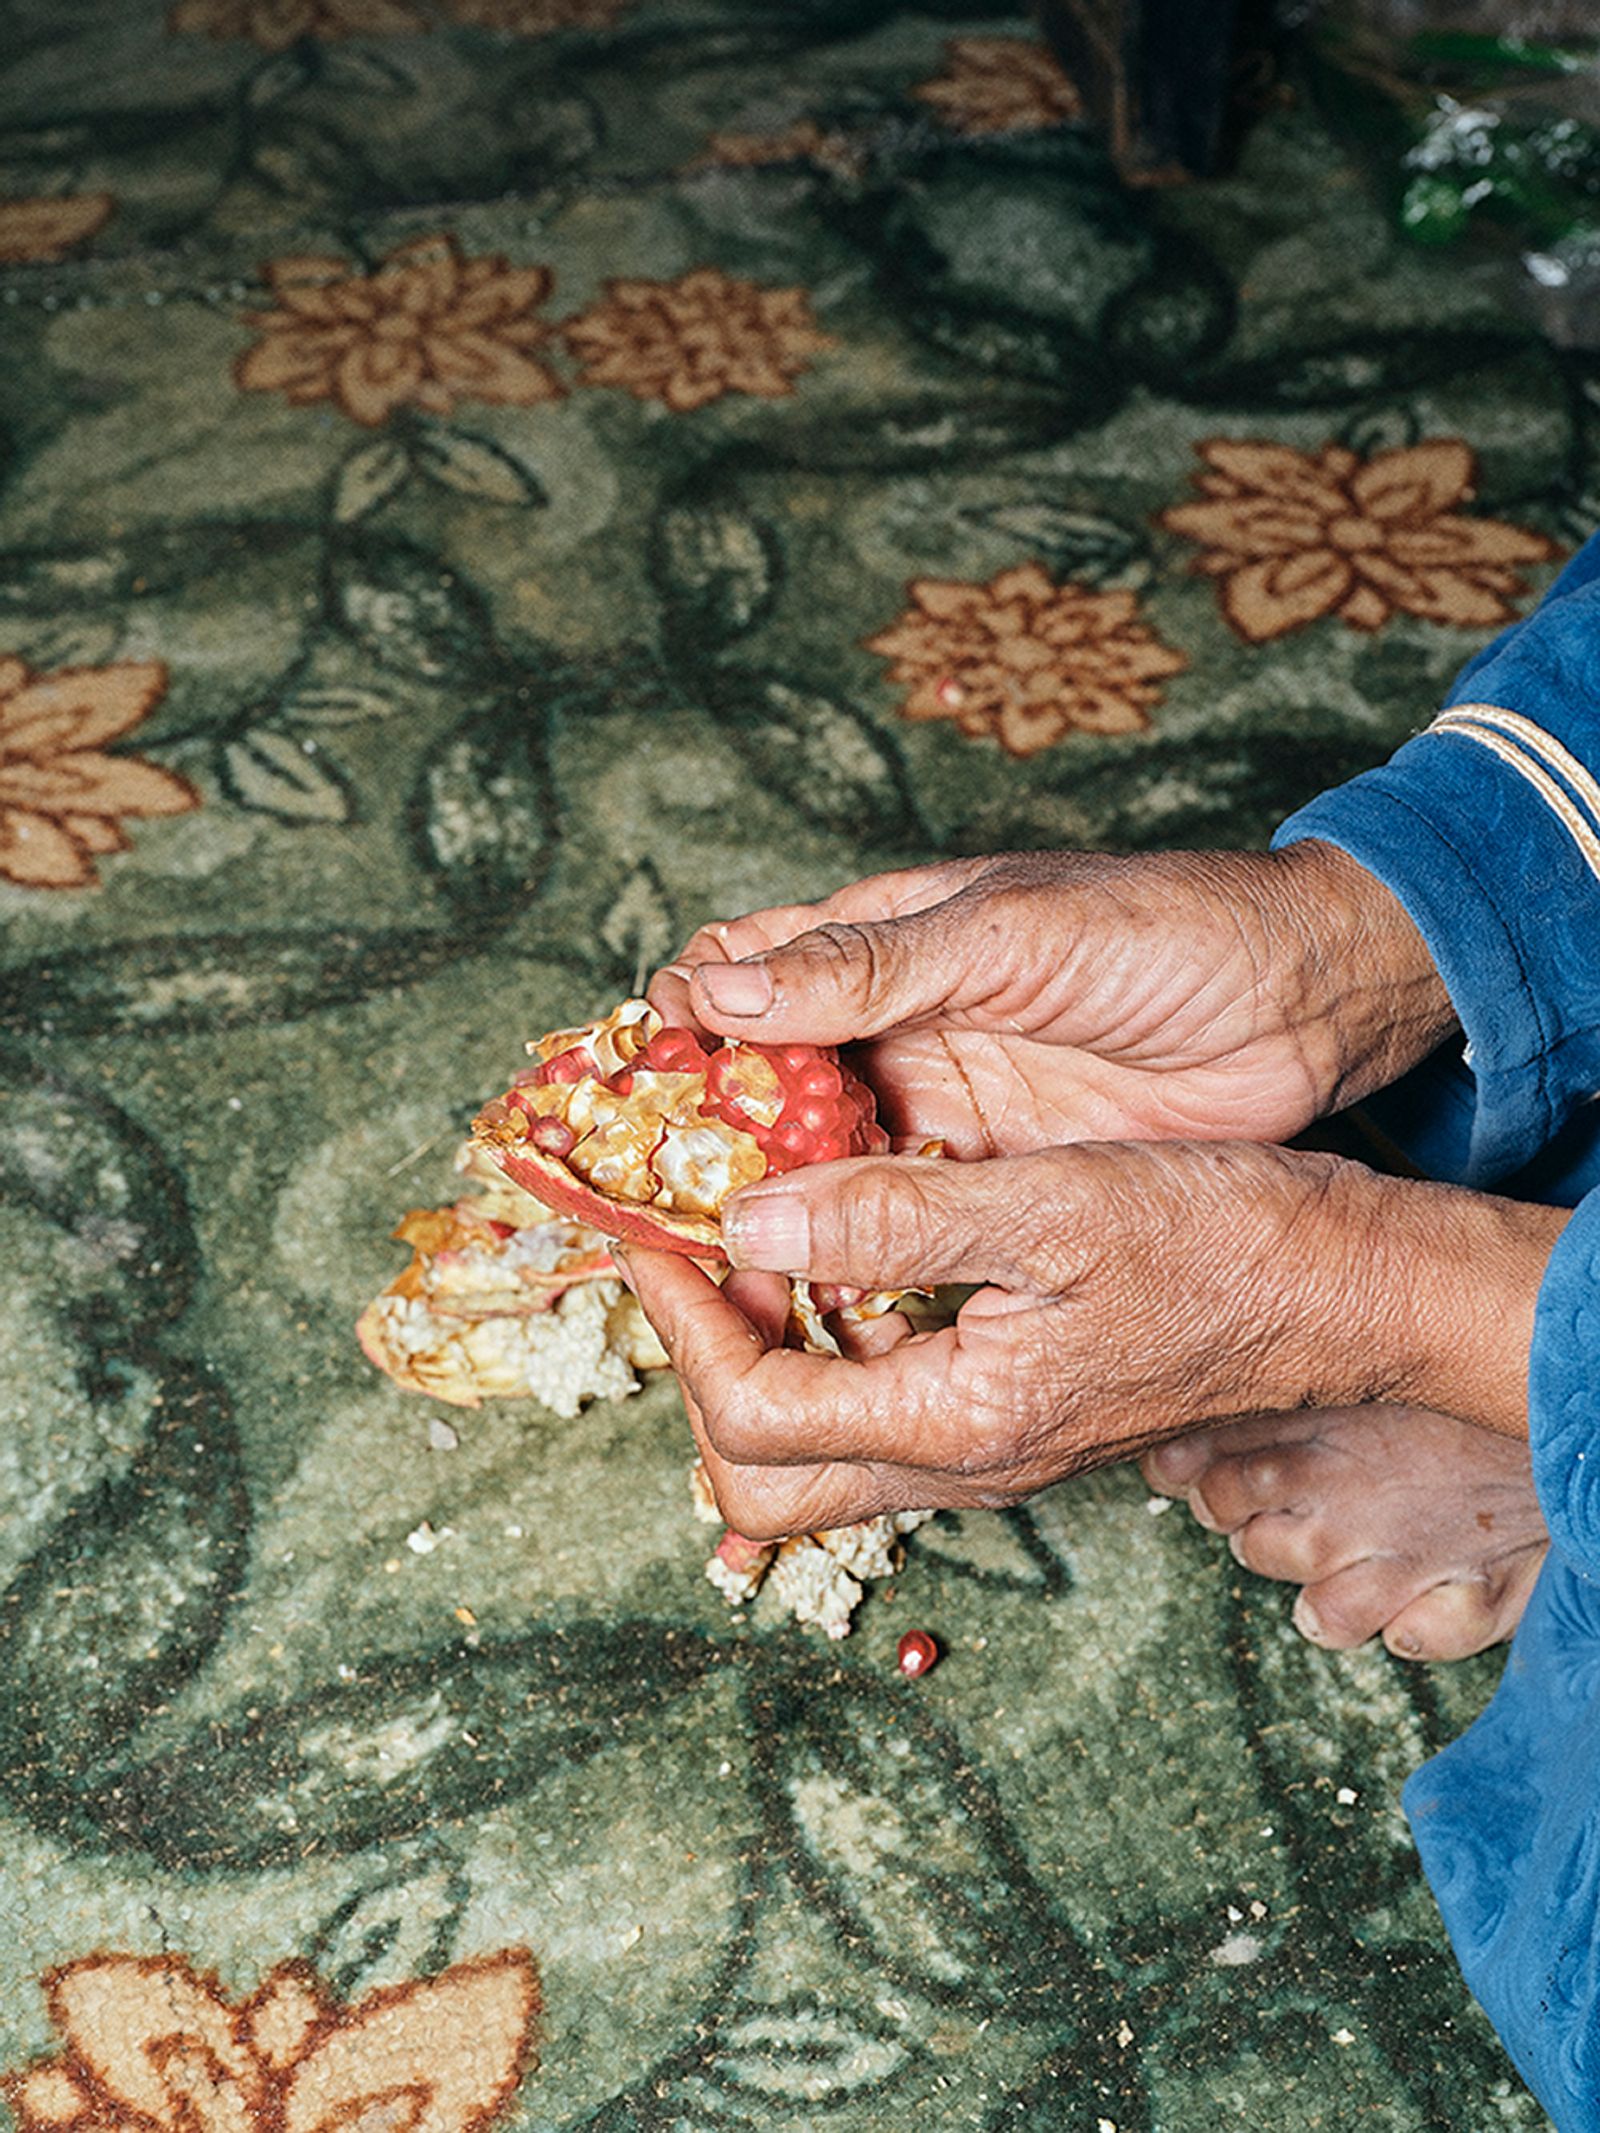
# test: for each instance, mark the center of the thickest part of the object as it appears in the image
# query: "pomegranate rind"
(557, 1188)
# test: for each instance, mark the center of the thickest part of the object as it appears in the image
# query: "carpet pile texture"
(485, 486)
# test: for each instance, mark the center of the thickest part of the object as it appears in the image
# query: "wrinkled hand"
(1130, 1292)
(1016, 1003)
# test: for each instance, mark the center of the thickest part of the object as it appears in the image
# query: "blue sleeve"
(1487, 828)
(1564, 1391)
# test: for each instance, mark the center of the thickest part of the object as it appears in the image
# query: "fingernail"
(619, 1261)
(737, 988)
(767, 1229)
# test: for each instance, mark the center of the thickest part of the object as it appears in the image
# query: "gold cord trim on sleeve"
(1572, 794)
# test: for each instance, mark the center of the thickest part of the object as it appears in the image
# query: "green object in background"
(1482, 129)
(1537, 171)
(1487, 138)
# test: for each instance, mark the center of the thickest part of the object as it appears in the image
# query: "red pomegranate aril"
(835, 1295)
(916, 1653)
(623, 1082)
(822, 1079)
(742, 1556)
(574, 1064)
(553, 1135)
(673, 1051)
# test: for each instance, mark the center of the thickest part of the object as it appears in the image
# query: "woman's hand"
(1016, 1003)
(1129, 1292)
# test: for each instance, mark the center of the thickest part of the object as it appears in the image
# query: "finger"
(862, 1338)
(769, 1503)
(938, 1401)
(908, 1222)
(762, 1300)
(846, 979)
(879, 896)
(668, 994)
(876, 896)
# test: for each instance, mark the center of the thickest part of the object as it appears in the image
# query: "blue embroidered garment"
(1487, 827)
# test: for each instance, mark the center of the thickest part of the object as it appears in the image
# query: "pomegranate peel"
(488, 1308)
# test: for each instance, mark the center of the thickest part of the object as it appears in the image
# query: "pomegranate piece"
(644, 1130)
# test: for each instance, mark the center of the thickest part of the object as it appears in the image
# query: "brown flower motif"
(427, 329)
(149, 2044)
(33, 230)
(277, 24)
(1000, 85)
(689, 341)
(1292, 536)
(803, 142)
(1025, 659)
(537, 18)
(61, 795)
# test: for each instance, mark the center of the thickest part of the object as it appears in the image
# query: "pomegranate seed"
(916, 1653)
(822, 1079)
(674, 1051)
(835, 1295)
(622, 1082)
(553, 1135)
(741, 1555)
(573, 1064)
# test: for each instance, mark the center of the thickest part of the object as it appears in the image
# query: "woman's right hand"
(1024, 1001)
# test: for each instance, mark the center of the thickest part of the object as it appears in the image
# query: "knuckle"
(995, 1437)
(852, 956)
(774, 1506)
(731, 1425)
(746, 1503)
(892, 1219)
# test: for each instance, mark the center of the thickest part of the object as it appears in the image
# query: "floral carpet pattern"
(485, 486)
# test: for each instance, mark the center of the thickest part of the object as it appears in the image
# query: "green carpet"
(396, 660)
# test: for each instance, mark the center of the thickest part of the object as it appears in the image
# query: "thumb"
(911, 1222)
(840, 983)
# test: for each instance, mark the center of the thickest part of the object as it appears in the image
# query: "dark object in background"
(1168, 82)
